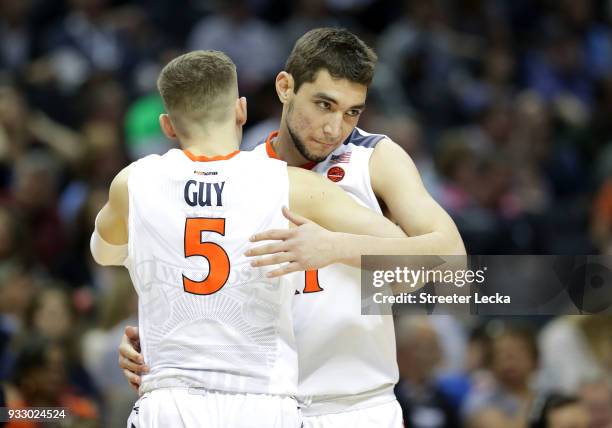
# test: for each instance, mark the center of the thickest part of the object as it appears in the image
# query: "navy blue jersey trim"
(358, 139)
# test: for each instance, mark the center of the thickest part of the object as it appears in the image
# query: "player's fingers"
(288, 268)
(126, 350)
(277, 247)
(132, 378)
(131, 333)
(132, 366)
(294, 218)
(126, 364)
(272, 260)
(272, 234)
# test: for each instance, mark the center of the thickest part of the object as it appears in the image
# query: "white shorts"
(387, 415)
(189, 407)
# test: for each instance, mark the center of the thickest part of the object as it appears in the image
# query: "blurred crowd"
(505, 106)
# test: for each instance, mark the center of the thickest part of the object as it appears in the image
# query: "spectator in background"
(16, 291)
(558, 72)
(254, 46)
(573, 349)
(76, 267)
(596, 394)
(104, 156)
(560, 411)
(595, 38)
(417, 49)
(306, 15)
(34, 198)
(40, 380)
(23, 128)
(144, 47)
(51, 314)
(457, 385)
(478, 193)
(493, 79)
(457, 165)
(529, 149)
(83, 43)
(479, 351)
(419, 354)
(16, 36)
(117, 307)
(505, 402)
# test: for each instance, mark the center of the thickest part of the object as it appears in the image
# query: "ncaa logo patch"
(335, 173)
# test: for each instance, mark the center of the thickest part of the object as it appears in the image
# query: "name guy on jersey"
(200, 193)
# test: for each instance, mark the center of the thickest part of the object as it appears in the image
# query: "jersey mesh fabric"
(239, 338)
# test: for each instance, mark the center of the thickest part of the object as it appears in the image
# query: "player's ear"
(241, 111)
(284, 86)
(166, 126)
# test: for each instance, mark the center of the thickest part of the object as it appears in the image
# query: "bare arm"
(429, 229)
(110, 235)
(327, 217)
(111, 226)
(325, 203)
(395, 180)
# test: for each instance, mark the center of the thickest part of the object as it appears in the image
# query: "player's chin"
(320, 150)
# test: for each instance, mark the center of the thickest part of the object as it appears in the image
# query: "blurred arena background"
(505, 106)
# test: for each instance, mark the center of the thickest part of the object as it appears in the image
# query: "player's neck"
(216, 141)
(286, 150)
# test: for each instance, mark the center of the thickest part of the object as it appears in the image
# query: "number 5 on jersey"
(218, 260)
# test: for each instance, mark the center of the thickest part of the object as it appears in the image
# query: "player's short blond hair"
(199, 87)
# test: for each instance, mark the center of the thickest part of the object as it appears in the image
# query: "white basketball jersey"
(345, 359)
(207, 318)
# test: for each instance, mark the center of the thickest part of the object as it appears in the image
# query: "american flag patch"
(341, 158)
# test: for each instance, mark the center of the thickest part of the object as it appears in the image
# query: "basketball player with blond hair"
(216, 332)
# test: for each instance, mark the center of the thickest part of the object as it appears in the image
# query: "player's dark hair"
(340, 52)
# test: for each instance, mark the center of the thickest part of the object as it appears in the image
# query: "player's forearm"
(349, 248)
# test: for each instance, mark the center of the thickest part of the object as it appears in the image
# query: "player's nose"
(333, 128)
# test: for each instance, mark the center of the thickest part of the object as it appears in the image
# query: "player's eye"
(353, 112)
(323, 105)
